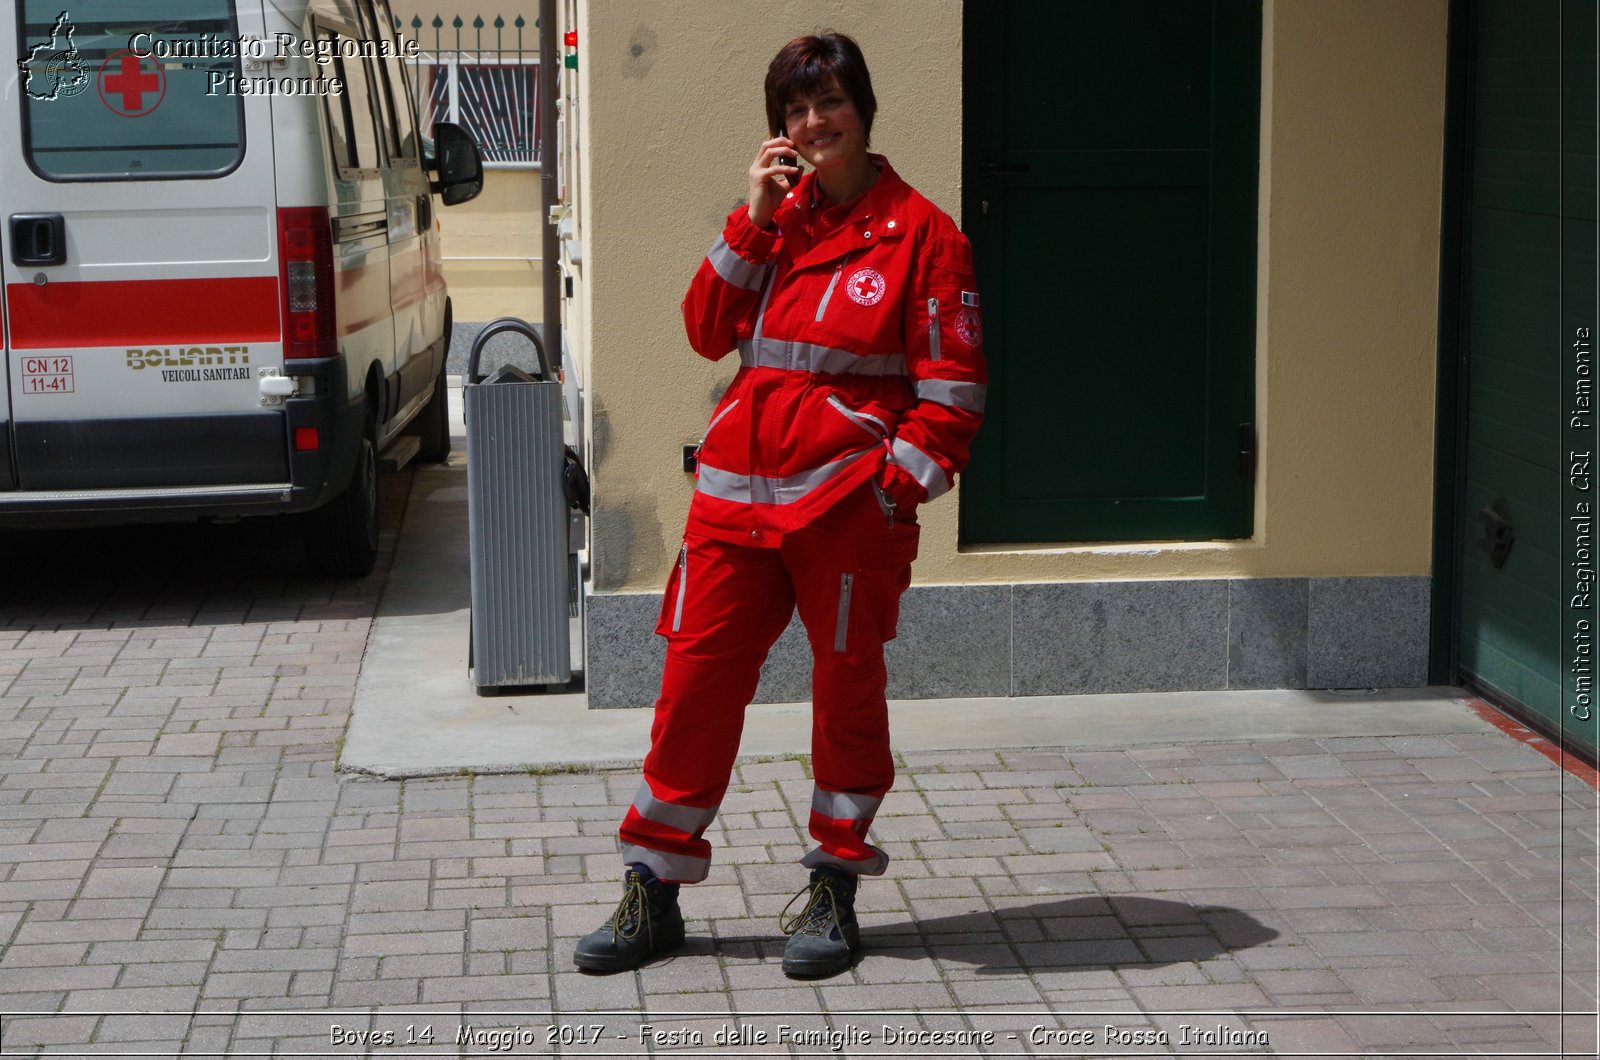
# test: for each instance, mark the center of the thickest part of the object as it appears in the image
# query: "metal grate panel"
(517, 529)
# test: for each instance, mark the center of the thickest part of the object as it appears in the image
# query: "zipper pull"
(885, 502)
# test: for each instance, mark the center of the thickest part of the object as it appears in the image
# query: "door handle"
(38, 239)
(1498, 534)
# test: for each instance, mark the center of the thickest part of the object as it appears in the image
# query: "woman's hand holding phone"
(772, 174)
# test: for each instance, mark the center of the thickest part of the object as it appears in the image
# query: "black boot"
(647, 922)
(824, 937)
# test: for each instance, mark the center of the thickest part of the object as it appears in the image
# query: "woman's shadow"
(1093, 931)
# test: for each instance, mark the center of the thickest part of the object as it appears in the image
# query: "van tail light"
(305, 264)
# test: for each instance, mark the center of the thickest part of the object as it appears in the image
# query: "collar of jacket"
(870, 222)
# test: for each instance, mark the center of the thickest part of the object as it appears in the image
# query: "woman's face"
(825, 128)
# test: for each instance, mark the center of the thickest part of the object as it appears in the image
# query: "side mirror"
(458, 163)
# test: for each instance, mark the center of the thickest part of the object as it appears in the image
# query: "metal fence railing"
(490, 88)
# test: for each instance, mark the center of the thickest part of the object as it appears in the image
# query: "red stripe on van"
(143, 312)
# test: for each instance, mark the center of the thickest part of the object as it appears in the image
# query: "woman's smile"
(827, 130)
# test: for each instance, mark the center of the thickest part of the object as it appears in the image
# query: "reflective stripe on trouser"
(839, 821)
(672, 831)
(736, 605)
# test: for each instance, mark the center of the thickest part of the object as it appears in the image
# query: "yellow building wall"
(1352, 112)
(491, 249)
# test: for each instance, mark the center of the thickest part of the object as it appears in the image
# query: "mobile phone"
(788, 160)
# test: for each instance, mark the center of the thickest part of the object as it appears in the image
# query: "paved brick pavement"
(183, 870)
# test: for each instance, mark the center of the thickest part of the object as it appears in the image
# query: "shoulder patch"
(969, 327)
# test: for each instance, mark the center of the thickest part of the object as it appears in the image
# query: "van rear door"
(138, 234)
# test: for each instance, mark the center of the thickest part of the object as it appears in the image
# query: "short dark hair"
(805, 65)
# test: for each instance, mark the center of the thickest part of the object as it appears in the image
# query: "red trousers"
(724, 607)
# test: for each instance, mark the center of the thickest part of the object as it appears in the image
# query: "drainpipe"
(549, 82)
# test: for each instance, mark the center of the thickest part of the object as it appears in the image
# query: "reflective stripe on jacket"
(858, 348)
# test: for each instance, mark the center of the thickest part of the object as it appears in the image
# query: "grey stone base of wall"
(1072, 638)
(502, 349)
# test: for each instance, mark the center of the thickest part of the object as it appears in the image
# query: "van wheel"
(433, 423)
(341, 537)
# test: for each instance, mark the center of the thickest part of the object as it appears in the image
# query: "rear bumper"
(224, 467)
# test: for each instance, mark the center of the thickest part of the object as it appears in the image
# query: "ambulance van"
(221, 265)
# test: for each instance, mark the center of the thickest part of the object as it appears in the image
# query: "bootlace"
(633, 912)
(818, 915)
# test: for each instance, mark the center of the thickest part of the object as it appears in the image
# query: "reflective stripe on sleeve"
(821, 360)
(968, 396)
(736, 270)
(759, 489)
(922, 468)
(690, 819)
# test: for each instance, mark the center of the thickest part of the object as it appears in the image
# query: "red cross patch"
(131, 85)
(969, 326)
(865, 287)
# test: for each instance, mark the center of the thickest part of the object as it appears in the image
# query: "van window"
(350, 115)
(380, 91)
(398, 113)
(118, 91)
(405, 107)
(402, 108)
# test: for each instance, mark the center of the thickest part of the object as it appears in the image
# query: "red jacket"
(859, 349)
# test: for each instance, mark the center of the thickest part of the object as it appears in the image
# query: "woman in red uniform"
(852, 303)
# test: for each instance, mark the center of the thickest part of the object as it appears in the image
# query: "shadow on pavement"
(1124, 931)
(181, 573)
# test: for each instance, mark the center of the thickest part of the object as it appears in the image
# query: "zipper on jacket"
(865, 420)
(718, 419)
(683, 587)
(822, 306)
(933, 329)
(841, 635)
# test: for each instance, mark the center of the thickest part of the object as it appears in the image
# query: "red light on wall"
(306, 439)
(570, 38)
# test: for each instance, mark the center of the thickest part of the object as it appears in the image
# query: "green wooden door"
(1109, 190)
(1528, 291)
